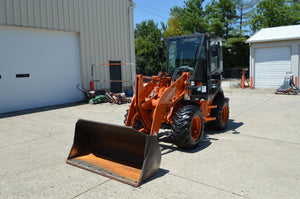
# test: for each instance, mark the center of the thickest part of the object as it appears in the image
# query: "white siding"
(103, 27)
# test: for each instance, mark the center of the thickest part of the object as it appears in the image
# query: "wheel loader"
(185, 99)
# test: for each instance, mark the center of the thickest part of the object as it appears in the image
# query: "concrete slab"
(242, 165)
(37, 169)
(167, 186)
(257, 156)
(11, 135)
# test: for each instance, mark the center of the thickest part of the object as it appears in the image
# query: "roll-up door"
(271, 64)
(38, 68)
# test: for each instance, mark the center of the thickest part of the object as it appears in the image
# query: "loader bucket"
(117, 152)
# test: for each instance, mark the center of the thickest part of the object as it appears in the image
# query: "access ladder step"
(212, 106)
(209, 119)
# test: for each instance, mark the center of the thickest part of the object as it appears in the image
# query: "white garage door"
(271, 64)
(38, 68)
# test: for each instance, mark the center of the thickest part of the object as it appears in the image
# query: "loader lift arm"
(154, 102)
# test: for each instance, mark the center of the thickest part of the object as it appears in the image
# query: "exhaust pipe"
(118, 152)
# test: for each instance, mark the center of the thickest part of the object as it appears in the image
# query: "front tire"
(187, 127)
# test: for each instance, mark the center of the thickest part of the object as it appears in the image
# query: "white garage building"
(273, 52)
(47, 47)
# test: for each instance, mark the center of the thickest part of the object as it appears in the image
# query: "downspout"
(251, 67)
(131, 40)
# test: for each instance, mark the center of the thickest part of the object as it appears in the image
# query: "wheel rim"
(225, 114)
(196, 128)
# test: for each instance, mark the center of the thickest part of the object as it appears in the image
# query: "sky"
(158, 10)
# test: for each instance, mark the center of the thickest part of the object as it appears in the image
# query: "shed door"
(38, 68)
(271, 64)
(115, 76)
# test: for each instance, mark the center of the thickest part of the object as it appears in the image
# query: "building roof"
(276, 34)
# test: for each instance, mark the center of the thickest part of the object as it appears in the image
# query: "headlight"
(192, 83)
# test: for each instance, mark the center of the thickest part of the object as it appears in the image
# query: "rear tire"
(222, 115)
(187, 127)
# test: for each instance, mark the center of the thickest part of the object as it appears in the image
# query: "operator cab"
(201, 55)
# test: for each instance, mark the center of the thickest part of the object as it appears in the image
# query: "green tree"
(147, 40)
(176, 9)
(236, 52)
(221, 16)
(272, 13)
(228, 15)
(225, 20)
(174, 25)
(243, 7)
(192, 17)
(294, 11)
(214, 19)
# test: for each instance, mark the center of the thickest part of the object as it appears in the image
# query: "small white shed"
(273, 52)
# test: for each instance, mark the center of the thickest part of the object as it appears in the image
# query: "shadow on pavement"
(167, 146)
(231, 126)
(36, 110)
(160, 173)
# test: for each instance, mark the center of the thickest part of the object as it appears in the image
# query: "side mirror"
(215, 50)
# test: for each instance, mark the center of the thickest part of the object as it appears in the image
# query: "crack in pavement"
(254, 107)
(91, 188)
(269, 139)
(211, 186)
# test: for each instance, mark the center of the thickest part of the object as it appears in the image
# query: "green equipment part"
(98, 99)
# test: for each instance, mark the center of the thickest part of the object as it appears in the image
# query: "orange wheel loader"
(185, 98)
